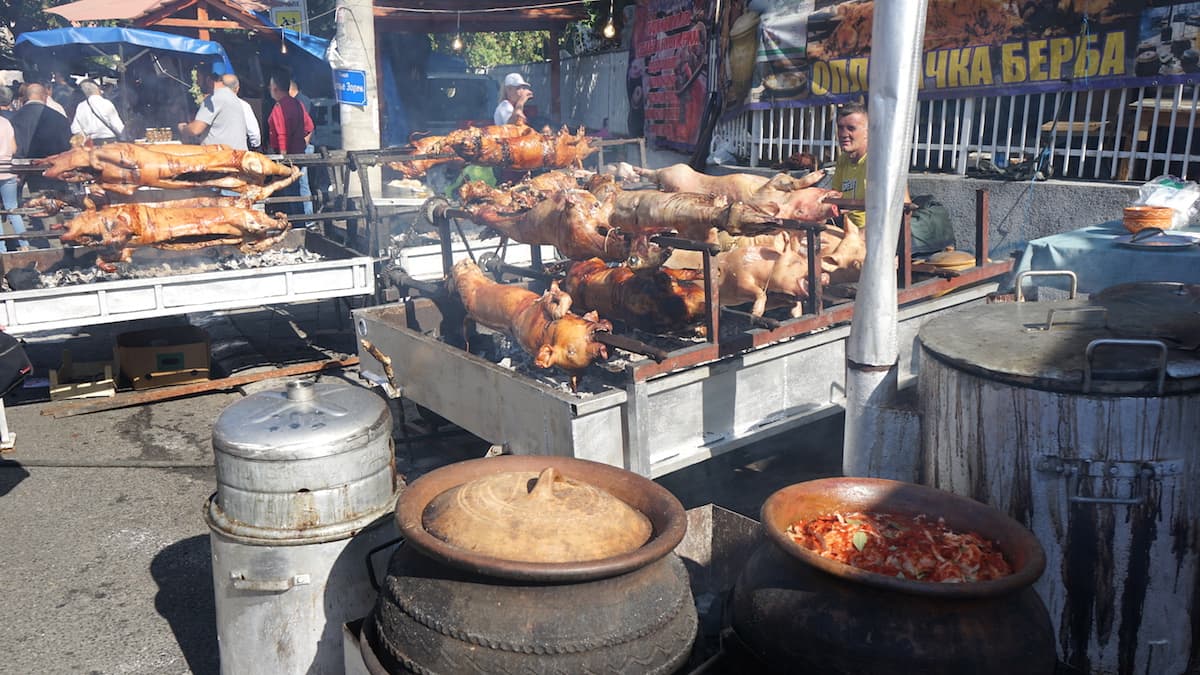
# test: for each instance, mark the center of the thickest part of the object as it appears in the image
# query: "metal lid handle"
(1022, 276)
(1161, 378)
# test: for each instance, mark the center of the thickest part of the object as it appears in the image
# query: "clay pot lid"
(546, 517)
(949, 258)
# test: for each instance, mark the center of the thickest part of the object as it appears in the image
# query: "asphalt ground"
(105, 552)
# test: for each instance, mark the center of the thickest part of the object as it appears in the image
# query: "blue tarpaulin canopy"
(127, 43)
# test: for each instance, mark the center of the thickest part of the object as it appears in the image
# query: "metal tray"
(1159, 242)
(341, 273)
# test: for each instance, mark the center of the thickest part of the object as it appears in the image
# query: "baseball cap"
(515, 80)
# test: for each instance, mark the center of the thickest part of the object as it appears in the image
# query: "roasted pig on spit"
(526, 151)
(125, 227)
(782, 196)
(643, 214)
(657, 300)
(519, 197)
(444, 145)
(124, 167)
(573, 221)
(542, 324)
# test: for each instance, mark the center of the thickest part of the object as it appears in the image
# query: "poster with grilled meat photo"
(668, 76)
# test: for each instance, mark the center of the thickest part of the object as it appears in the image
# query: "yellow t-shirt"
(850, 178)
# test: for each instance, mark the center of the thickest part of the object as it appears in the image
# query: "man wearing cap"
(220, 120)
(514, 95)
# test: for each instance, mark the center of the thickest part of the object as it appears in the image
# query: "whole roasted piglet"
(542, 324)
(121, 229)
(573, 221)
(525, 151)
(657, 300)
(440, 149)
(124, 167)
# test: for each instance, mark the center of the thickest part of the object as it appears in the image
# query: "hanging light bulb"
(457, 44)
(610, 29)
(282, 42)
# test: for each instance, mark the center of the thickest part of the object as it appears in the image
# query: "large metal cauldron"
(446, 609)
(306, 483)
(1081, 420)
(800, 612)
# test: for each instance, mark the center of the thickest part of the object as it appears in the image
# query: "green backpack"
(931, 228)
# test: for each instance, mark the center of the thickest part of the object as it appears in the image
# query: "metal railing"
(1131, 134)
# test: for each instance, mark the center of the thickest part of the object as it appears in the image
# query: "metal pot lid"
(1126, 341)
(304, 421)
(544, 517)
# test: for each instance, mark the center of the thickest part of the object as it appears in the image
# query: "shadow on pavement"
(11, 474)
(183, 572)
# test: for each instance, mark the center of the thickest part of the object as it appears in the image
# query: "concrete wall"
(1023, 210)
(593, 88)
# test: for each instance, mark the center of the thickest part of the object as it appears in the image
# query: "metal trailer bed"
(663, 416)
(340, 273)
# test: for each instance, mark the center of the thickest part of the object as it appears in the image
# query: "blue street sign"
(351, 86)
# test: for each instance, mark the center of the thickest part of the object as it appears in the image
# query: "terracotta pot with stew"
(862, 575)
(534, 564)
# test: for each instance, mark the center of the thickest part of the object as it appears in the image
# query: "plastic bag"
(1170, 191)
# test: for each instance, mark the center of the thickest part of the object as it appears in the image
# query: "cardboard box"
(163, 356)
(81, 379)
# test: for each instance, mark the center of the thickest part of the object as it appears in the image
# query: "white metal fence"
(1107, 134)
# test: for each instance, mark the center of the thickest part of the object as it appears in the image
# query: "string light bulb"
(610, 29)
(282, 42)
(457, 44)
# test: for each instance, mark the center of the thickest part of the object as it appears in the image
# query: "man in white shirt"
(253, 133)
(96, 117)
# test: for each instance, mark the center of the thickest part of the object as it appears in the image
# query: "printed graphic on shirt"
(849, 185)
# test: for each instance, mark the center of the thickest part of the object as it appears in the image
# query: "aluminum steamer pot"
(444, 608)
(1080, 419)
(306, 483)
(800, 612)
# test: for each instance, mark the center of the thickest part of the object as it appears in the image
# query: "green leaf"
(860, 540)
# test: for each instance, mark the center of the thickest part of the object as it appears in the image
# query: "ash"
(181, 266)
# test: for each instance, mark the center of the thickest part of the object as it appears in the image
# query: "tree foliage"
(484, 50)
(22, 16)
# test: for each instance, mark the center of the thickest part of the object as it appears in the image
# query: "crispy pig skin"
(658, 300)
(124, 167)
(542, 325)
(573, 221)
(125, 227)
(526, 151)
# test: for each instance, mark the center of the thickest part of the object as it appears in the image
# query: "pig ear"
(770, 208)
(545, 357)
(591, 316)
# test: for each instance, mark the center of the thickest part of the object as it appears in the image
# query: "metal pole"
(355, 50)
(872, 350)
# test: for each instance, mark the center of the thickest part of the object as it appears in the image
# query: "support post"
(355, 50)
(871, 447)
(556, 78)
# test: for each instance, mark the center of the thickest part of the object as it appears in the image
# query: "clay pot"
(534, 564)
(1138, 218)
(799, 612)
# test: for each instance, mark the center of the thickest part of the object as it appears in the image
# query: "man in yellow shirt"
(850, 172)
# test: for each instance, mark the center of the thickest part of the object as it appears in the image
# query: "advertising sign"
(820, 49)
(668, 77)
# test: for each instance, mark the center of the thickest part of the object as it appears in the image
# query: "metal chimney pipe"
(871, 350)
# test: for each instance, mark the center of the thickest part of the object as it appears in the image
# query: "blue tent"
(129, 44)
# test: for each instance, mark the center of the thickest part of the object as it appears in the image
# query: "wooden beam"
(202, 16)
(164, 12)
(127, 399)
(197, 23)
